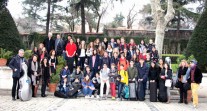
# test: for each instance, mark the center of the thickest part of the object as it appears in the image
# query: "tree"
(100, 10)
(197, 44)
(49, 4)
(66, 17)
(48, 16)
(90, 18)
(118, 19)
(32, 10)
(131, 17)
(9, 36)
(80, 5)
(161, 20)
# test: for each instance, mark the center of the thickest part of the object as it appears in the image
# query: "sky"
(15, 8)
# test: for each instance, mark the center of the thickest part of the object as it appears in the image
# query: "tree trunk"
(159, 38)
(48, 17)
(73, 24)
(97, 28)
(178, 48)
(161, 20)
(178, 26)
(83, 18)
(52, 16)
(90, 28)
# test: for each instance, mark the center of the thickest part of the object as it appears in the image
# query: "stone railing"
(5, 78)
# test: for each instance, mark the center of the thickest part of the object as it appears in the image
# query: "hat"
(194, 62)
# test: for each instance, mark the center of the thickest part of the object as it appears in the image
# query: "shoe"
(17, 97)
(118, 99)
(105, 98)
(100, 98)
(113, 98)
(180, 101)
(92, 97)
(43, 95)
(195, 106)
(186, 102)
(87, 97)
(97, 97)
(13, 99)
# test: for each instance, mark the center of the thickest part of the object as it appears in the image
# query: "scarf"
(34, 67)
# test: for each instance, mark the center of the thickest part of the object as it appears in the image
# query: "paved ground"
(81, 104)
(52, 103)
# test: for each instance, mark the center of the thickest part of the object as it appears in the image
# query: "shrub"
(9, 36)
(28, 54)
(36, 38)
(173, 57)
(5, 54)
(197, 44)
(174, 67)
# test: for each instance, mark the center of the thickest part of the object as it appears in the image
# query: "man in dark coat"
(16, 66)
(49, 43)
(142, 78)
(195, 78)
(59, 45)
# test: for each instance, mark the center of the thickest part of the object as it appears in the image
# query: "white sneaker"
(86, 97)
(92, 96)
(97, 96)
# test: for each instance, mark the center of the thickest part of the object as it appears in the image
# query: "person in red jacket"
(123, 61)
(70, 53)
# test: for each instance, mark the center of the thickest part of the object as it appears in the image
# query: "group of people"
(101, 67)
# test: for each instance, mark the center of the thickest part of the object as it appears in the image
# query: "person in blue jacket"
(88, 87)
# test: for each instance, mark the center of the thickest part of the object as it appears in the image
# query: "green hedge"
(9, 35)
(174, 67)
(173, 57)
(197, 44)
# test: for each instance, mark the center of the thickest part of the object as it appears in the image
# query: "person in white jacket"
(104, 76)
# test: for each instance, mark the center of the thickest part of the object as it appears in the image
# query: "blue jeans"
(87, 91)
(120, 88)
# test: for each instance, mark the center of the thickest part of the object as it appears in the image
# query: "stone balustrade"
(5, 78)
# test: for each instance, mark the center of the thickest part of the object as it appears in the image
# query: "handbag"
(178, 84)
(168, 82)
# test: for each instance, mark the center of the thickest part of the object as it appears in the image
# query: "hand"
(78, 59)
(141, 79)
(163, 77)
(15, 70)
(98, 67)
(133, 79)
(35, 73)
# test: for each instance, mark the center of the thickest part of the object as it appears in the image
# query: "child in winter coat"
(104, 76)
(113, 74)
(97, 82)
(123, 79)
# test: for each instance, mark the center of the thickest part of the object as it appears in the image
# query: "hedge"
(197, 44)
(9, 36)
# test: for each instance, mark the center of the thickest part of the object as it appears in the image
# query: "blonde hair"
(186, 63)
